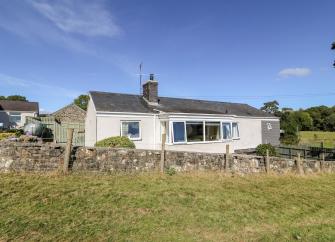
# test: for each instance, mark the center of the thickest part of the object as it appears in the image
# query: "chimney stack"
(150, 90)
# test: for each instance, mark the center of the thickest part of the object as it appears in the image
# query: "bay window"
(179, 132)
(236, 133)
(203, 131)
(226, 130)
(131, 129)
(212, 131)
(195, 131)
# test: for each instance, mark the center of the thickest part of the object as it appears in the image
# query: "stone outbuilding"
(70, 114)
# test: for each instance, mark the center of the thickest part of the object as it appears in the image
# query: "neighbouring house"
(70, 113)
(190, 125)
(13, 114)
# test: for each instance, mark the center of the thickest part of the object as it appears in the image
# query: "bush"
(4, 136)
(261, 149)
(290, 139)
(171, 171)
(116, 142)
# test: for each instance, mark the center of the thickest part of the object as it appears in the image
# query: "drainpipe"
(155, 131)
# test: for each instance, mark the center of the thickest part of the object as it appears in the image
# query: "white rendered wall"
(90, 125)
(110, 125)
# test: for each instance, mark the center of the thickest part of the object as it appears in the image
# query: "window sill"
(201, 142)
(136, 139)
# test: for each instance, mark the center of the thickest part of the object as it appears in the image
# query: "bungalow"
(190, 125)
(13, 113)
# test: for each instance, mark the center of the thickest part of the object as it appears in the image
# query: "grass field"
(182, 207)
(314, 138)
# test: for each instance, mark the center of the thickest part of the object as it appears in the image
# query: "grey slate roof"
(6, 105)
(118, 102)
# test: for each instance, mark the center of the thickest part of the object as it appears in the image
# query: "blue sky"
(238, 51)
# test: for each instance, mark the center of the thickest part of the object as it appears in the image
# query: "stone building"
(70, 114)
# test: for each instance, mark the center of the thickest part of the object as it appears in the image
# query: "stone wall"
(16, 156)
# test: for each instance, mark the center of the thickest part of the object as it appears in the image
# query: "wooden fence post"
(305, 154)
(163, 149)
(68, 151)
(226, 166)
(299, 167)
(267, 161)
(290, 153)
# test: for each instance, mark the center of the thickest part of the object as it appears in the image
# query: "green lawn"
(152, 207)
(314, 138)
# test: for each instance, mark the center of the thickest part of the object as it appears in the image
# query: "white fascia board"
(209, 116)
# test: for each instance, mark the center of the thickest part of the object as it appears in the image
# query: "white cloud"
(69, 24)
(38, 87)
(294, 72)
(85, 18)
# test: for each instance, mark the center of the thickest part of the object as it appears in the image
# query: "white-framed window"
(178, 132)
(235, 131)
(15, 117)
(226, 130)
(212, 131)
(131, 129)
(195, 131)
(199, 131)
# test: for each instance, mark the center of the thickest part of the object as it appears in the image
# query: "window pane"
(235, 130)
(178, 132)
(226, 130)
(15, 117)
(195, 131)
(131, 129)
(212, 131)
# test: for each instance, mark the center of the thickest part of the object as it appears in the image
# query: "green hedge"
(116, 142)
(261, 149)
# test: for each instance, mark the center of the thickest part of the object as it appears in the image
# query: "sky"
(233, 50)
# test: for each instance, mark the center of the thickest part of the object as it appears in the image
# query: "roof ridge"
(119, 93)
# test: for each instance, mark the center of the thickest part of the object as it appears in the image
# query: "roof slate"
(118, 102)
(7, 105)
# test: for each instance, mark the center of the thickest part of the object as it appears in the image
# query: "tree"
(288, 123)
(330, 122)
(14, 98)
(304, 120)
(17, 98)
(82, 101)
(271, 107)
(287, 110)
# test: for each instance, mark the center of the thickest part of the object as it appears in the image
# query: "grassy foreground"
(151, 207)
(314, 138)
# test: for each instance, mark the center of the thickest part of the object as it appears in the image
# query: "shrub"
(171, 171)
(4, 136)
(290, 139)
(261, 149)
(116, 142)
(19, 132)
